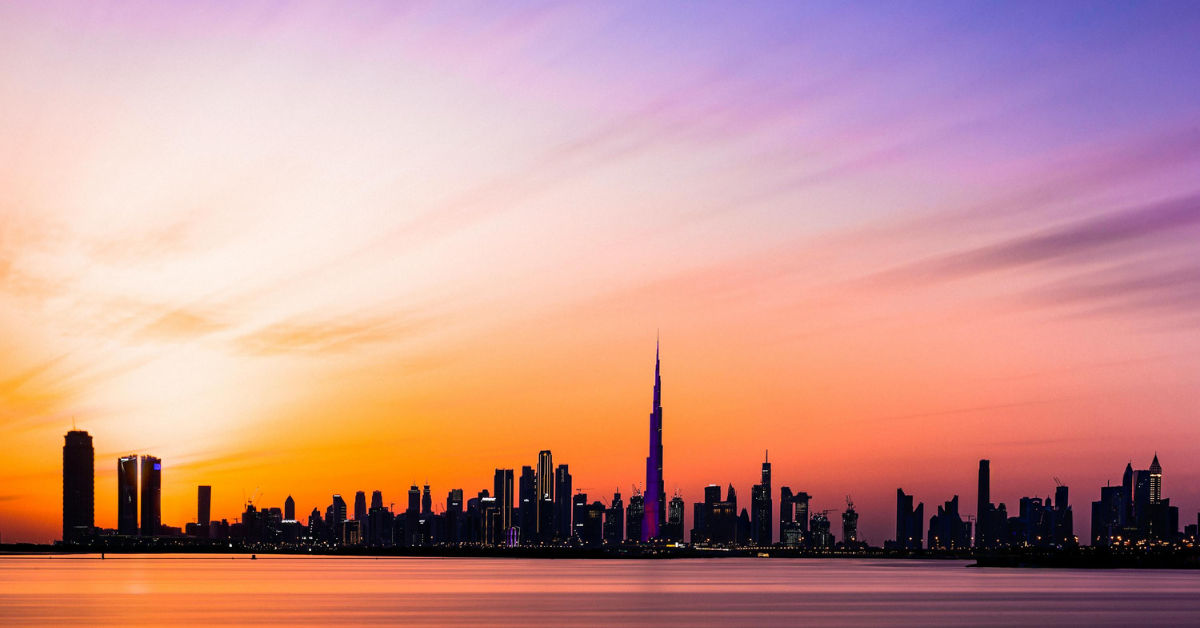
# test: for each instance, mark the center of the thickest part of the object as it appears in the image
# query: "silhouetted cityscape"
(539, 508)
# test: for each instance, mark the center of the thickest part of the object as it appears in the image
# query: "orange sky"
(315, 253)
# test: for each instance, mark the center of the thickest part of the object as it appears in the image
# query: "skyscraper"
(910, 522)
(982, 510)
(204, 505)
(674, 528)
(337, 515)
(376, 500)
(562, 501)
(151, 495)
(762, 512)
(850, 525)
(412, 515)
(360, 506)
(635, 516)
(545, 496)
(79, 487)
(527, 504)
(614, 520)
(502, 486)
(289, 509)
(655, 496)
(127, 495)
(1155, 481)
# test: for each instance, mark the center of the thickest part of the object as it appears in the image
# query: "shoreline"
(1076, 558)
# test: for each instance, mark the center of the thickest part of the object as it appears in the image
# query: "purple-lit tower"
(656, 497)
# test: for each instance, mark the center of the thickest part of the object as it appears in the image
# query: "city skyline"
(541, 510)
(320, 249)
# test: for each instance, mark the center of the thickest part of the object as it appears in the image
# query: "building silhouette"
(983, 505)
(151, 495)
(579, 507)
(204, 505)
(360, 505)
(526, 513)
(502, 485)
(545, 497)
(127, 495)
(762, 514)
(289, 509)
(947, 530)
(562, 500)
(655, 495)
(635, 516)
(614, 520)
(79, 486)
(675, 513)
(910, 522)
(821, 537)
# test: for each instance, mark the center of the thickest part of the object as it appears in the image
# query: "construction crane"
(250, 502)
(849, 503)
(1058, 482)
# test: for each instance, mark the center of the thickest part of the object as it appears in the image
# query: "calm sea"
(299, 591)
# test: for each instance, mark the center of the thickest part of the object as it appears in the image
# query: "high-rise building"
(635, 516)
(337, 515)
(376, 500)
(289, 509)
(655, 495)
(79, 486)
(412, 515)
(850, 525)
(910, 522)
(614, 520)
(204, 505)
(673, 532)
(983, 505)
(426, 500)
(787, 512)
(579, 507)
(1155, 481)
(545, 497)
(1109, 515)
(502, 490)
(151, 495)
(127, 495)
(360, 506)
(761, 512)
(527, 504)
(947, 530)
(1127, 484)
(562, 499)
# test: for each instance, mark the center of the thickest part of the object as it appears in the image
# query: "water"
(300, 591)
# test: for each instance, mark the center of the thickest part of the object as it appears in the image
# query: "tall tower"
(127, 495)
(502, 483)
(1155, 481)
(360, 506)
(656, 496)
(982, 507)
(151, 495)
(79, 485)
(544, 498)
(204, 505)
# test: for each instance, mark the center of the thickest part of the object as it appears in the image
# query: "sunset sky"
(317, 248)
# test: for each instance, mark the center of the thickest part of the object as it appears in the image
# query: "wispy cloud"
(1091, 240)
(329, 335)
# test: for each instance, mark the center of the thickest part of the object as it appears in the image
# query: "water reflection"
(182, 591)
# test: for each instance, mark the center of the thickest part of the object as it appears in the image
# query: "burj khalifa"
(655, 516)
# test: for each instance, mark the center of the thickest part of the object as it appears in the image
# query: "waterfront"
(279, 590)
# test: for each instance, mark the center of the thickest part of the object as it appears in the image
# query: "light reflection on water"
(195, 590)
